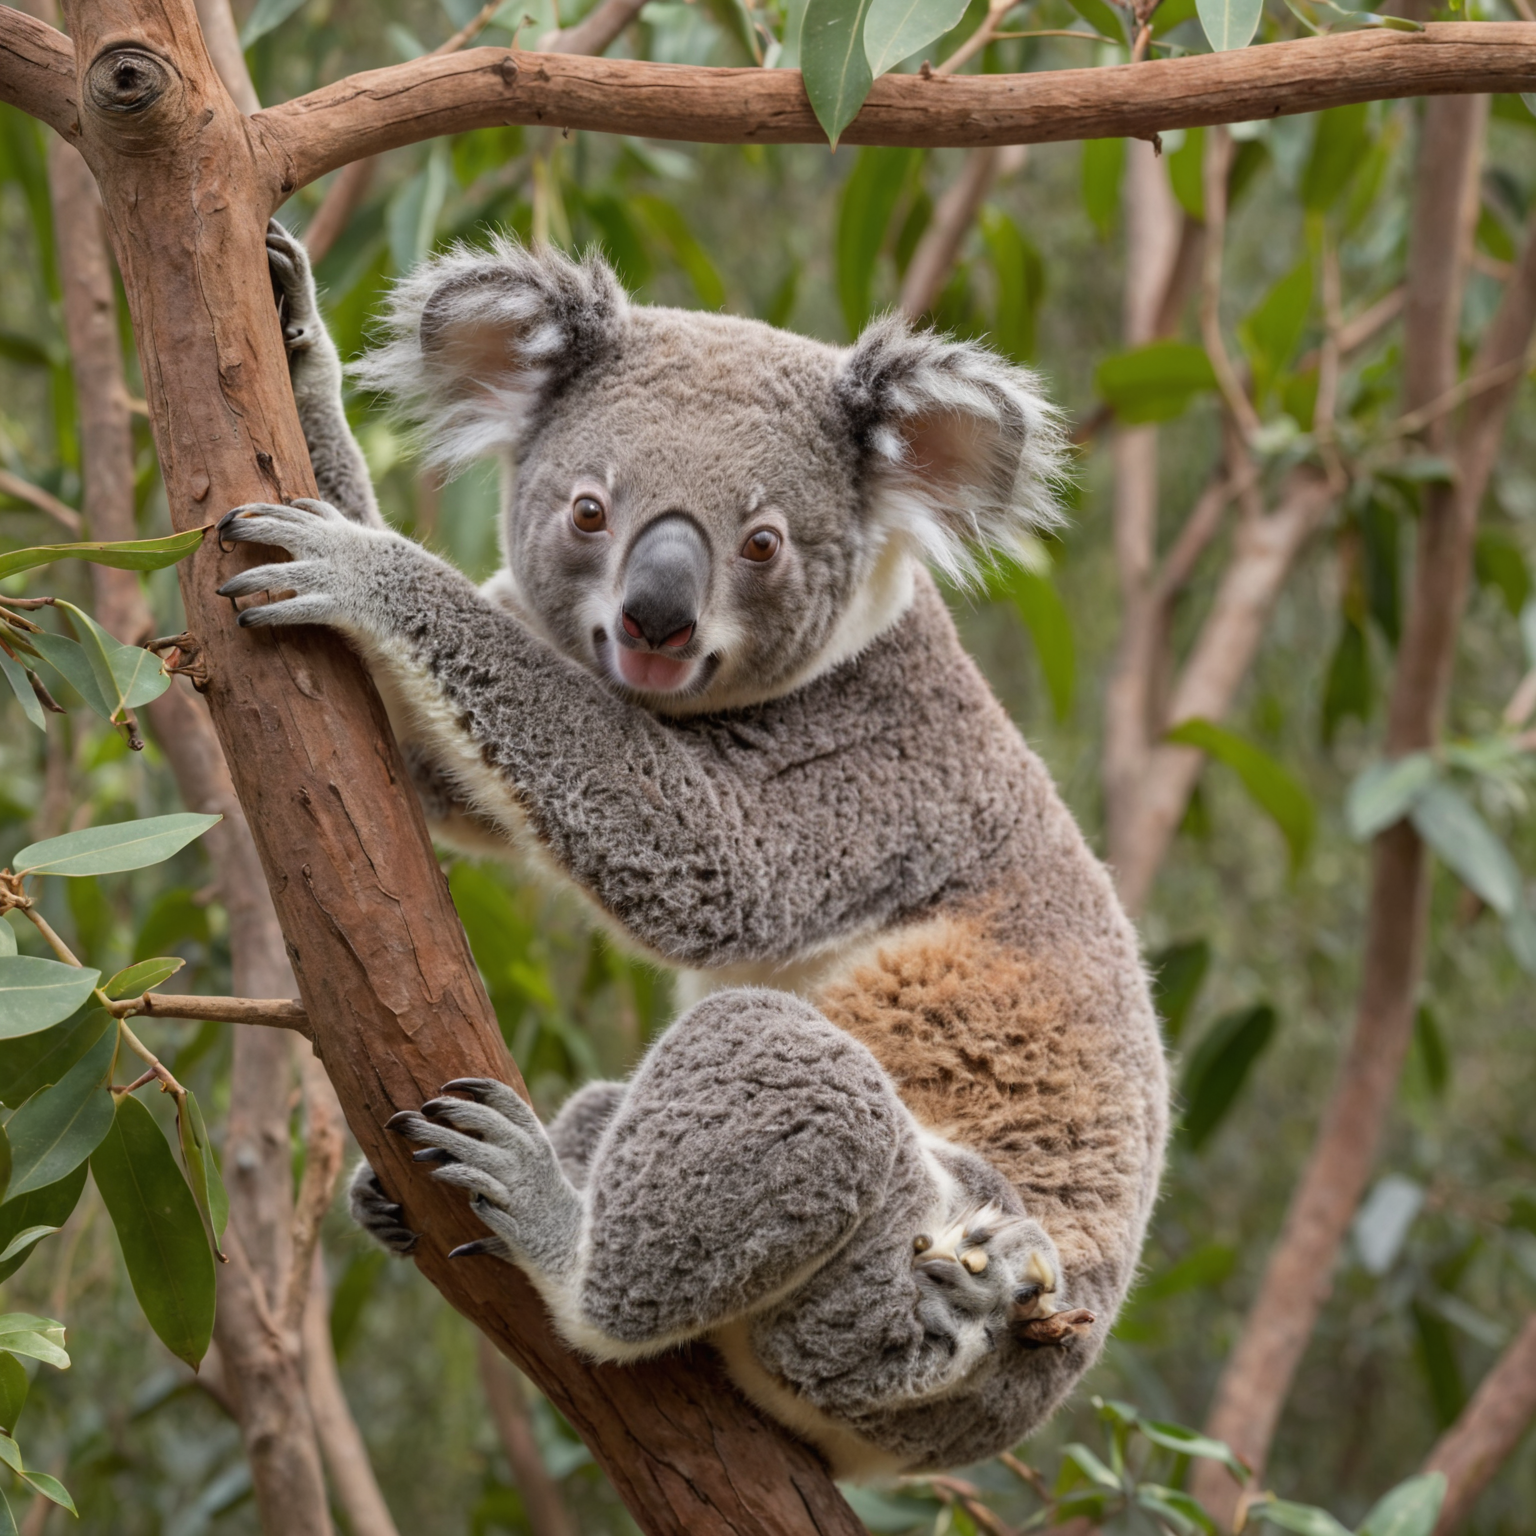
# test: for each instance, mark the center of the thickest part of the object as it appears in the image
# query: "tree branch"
(956, 211)
(35, 496)
(37, 70)
(1489, 1429)
(368, 113)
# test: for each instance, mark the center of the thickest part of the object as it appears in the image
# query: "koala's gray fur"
(919, 1111)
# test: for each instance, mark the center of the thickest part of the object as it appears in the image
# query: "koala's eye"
(761, 546)
(588, 515)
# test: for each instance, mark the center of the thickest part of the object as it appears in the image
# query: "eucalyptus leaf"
(896, 29)
(1084, 1459)
(1039, 605)
(68, 658)
(267, 15)
(34, 1061)
(5, 1166)
(23, 1240)
(1189, 1442)
(14, 1382)
(1274, 789)
(140, 978)
(1218, 1067)
(1155, 382)
(7, 938)
(49, 1207)
(833, 63)
(39, 1338)
(59, 1127)
(1520, 935)
(1386, 792)
(126, 675)
(1447, 821)
(159, 1228)
(1177, 1511)
(35, 993)
(1229, 23)
(111, 849)
(202, 1172)
(50, 1488)
(7, 1519)
(1303, 1519)
(126, 555)
(21, 686)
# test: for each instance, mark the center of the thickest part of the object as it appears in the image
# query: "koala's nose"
(665, 582)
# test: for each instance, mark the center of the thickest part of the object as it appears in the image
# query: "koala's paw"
(327, 580)
(293, 284)
(378, 1215)
(493, 1145)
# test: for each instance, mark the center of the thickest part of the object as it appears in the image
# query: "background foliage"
(1255, 923)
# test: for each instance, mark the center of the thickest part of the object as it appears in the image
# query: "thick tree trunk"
(386, 976)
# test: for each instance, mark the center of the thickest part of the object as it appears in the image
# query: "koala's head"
(704, 510)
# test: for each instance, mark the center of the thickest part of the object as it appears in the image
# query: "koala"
(895, 1158)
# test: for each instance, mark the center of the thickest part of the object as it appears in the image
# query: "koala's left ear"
(961, 448)
(478, 342)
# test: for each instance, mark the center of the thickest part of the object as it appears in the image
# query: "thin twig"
(35, 496)
(1218, 149)
(278, 1012)
(324, 1148)
(1467, 389)
(978, 39)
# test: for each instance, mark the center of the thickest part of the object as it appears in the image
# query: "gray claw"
(479, 1245)
(432, 1155)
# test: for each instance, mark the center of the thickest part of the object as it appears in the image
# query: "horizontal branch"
(279, 1012)
(37, 70)
(382, 109)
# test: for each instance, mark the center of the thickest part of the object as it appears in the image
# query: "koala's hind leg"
(753, 1141)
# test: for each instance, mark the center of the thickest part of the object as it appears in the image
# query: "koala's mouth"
(653, 672)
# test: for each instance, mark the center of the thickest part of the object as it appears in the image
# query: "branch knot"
(127, 81)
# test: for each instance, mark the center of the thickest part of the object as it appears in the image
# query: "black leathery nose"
(665, 581)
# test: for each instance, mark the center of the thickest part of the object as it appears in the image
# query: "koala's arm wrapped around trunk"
(750, 837)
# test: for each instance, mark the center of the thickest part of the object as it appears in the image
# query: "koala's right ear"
(477, 342)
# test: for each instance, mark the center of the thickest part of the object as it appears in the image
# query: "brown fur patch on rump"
(1047, 1065)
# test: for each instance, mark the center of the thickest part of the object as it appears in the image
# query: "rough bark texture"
(381, 961)
(481, 87)
(273, 1415)
(1489, 1429)
(1256, 1379)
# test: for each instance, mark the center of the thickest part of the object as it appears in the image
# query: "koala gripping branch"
(385, 974)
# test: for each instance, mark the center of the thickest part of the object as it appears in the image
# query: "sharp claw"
(473, 1087)
(432, 1155)
(435, 1107)
(400, 1123)
(468, 1250)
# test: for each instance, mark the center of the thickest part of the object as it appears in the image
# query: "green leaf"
(1379, 544)
(202, 1172)
(35, 993)
(1178, 1510)
(68, 658)
(39, 1338)
(7, 1519)
(1105, 19)
(833, 63)
(864, 211)
(112, 849)
(1085, 1460)
(24, 1240)
(1103, 171)
(1339, 146)
(1273, 330)
(670, 226)
(1520, 935)
(161, 1233)
(896, 29)
(1429, 1050)
(1229, 23)
(1219, 1066)
(140, 978)
(267, 15)
(1155, 382)
(13, 1391)
(1186, 173)
(5, 1165)
(7, 938)
(58, 1128)
(1386, 792)
(1203, 1269)
(1039, 605)
(1347, 692)
(43, 1207)
(1277, 792)
(16, 348)
(127, 555)
(1446, 820)
(1304, 1519)
(1020, 274)
(1500, 565)
(126, 675)
(1189, 1442)
(34, 1061)
(21, 686)
(50, 1488)
(1436, 1350)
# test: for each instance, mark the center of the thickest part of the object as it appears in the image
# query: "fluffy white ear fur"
(964, 449)
(474, 340)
